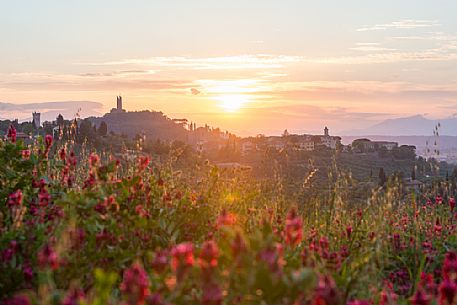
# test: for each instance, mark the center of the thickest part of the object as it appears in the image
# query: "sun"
(232, 102)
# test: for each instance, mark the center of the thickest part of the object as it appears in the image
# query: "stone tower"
(326, 131)
(36, 120)
(119, 103)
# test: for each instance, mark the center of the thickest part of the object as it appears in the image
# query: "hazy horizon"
(261, 66)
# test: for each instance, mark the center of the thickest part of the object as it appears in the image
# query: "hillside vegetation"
(92, 228)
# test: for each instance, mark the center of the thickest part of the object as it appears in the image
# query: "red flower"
(349, 232)
(135, 284)
(439, 199)
(450, 266)
(225, 219)
(238, 245)
(12, 134)
(143, 162)
(47, 257)
(48, 141)
(209, 255)
(447, 291)
(18, 300)
(212, 295)
(294, 230)
(427, 283)
(62, 154)
(94, 159)
(360, 302)
(43, 197)
(182, 257)
(160, 261)
(438, 227)
(25, 154)
(452, 203)
(326, 292)
(420, 298)
(15, 199)
(74, 297)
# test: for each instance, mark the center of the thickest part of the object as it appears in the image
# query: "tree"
(59, 120)
(382, 177)
(103, 129)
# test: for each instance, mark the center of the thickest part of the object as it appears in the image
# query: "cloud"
(194, 91)
(256, 61)
(401, 24)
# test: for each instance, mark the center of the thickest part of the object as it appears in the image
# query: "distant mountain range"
(416, 125)
(50, 110)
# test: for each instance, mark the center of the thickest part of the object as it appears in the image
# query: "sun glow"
(233, 102)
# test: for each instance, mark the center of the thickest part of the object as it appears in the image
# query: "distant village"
(155, 126)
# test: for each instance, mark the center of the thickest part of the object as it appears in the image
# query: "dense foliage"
(90, 229)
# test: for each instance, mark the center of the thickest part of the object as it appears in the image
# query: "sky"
(257, 66)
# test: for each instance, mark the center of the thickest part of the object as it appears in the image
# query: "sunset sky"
(257, 66)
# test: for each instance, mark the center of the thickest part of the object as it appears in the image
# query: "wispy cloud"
(401, 24)
(256, 61)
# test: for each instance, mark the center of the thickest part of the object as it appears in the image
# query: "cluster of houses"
(310, 143)
(304, 142)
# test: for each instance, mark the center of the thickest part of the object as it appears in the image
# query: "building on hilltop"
(118, 108)
(36, 120)
(332, 142)
(366, 145)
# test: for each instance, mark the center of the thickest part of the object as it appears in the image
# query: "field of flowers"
(93, 229)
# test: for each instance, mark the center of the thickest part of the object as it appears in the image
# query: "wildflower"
(160, 261)
(135, 284)
(212, 295)
(397, 242)
(18, 300)
(25, 154)
(387, 296)
(62, 154)
(420, 298)
(450, 266)
(143, 162)
(209, 255)
(27, 271)
(74, 297)
(359, 302)
(141, 211)
(90, 181)
(155, 299)
(438, 227)
(225, 219)
(447, 290)
(47, 257)
(323, 243)
(294, 232)
(11, 135)
(452, 203)
(272, 256)
(94, 159)
(15, 198)
(326, 292)
(182, 257)
(238, 245)
(438, 199)
(48, 140)
(43, 197)
(427, 283)
(349, 232)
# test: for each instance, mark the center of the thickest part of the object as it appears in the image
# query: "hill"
(152, 124)
(417, 125)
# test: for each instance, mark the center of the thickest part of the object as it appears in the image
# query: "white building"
(329, 141)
